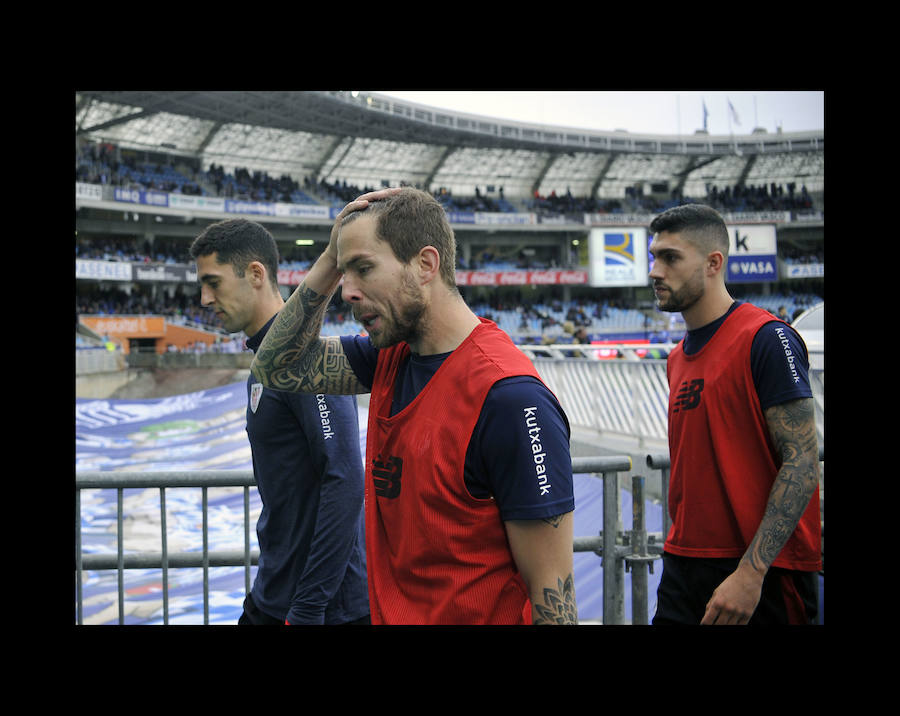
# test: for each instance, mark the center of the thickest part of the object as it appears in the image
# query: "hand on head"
(358, 204)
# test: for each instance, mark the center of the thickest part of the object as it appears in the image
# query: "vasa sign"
(751, 254)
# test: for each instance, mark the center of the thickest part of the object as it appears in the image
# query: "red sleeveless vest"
(723, 464)
(435, 554)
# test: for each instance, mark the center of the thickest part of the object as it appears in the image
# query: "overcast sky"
(640, 112)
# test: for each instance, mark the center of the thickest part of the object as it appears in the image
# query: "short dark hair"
(410, 220)
(702, 225)
(238, 242)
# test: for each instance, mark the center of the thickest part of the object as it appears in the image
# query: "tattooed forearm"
(282, 356)
(792, 427)
(293, 357)
(558, 606)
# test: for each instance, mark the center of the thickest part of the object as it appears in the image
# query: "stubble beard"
(405, 323)
(685, 297)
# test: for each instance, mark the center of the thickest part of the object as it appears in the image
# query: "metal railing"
(98, 360)
(120, 481)
(624, 397)
(620, 551)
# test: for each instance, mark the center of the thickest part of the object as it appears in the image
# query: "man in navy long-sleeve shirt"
(306, 452)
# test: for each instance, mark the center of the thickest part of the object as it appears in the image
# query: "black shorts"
(687, 583)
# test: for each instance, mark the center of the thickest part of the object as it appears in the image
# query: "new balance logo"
(688, 396)
(386, 476)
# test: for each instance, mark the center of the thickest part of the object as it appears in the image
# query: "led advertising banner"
(618, 256)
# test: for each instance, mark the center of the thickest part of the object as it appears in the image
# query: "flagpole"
(678, 114)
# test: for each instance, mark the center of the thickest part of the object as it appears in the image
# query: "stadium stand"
(623, 188)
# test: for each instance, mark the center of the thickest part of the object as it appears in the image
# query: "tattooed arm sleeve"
(793, 431)
(542, 550)
(792, 427)
(293, 357)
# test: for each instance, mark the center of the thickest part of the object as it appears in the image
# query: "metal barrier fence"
(624, 397)
(98, 360)
(620, 551)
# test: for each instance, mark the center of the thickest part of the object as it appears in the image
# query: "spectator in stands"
(580, 336)
(452, 538)
(306, 452)
(745, 543)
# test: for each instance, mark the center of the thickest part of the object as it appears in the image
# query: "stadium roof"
(371, 139)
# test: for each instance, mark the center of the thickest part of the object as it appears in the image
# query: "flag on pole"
(734, 114)
(705, 114)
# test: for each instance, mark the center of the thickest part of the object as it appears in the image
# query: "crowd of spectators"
(554, 312)
(479, 201)
(764, 197)
(554, 203)
(255, 186)
(109, 165)
(163, 250)
(795, 255)
(106, 164)
(548, 321)
(167, 250)
(771, 197)
(337, 193)
(182, 306)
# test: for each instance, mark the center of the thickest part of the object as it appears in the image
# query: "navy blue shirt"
(521, 425)
(307, 461)
(778, 359)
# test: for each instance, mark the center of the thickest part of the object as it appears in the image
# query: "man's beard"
(685, 297)
(405, 324)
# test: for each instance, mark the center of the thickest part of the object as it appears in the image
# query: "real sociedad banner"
(618, 257)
